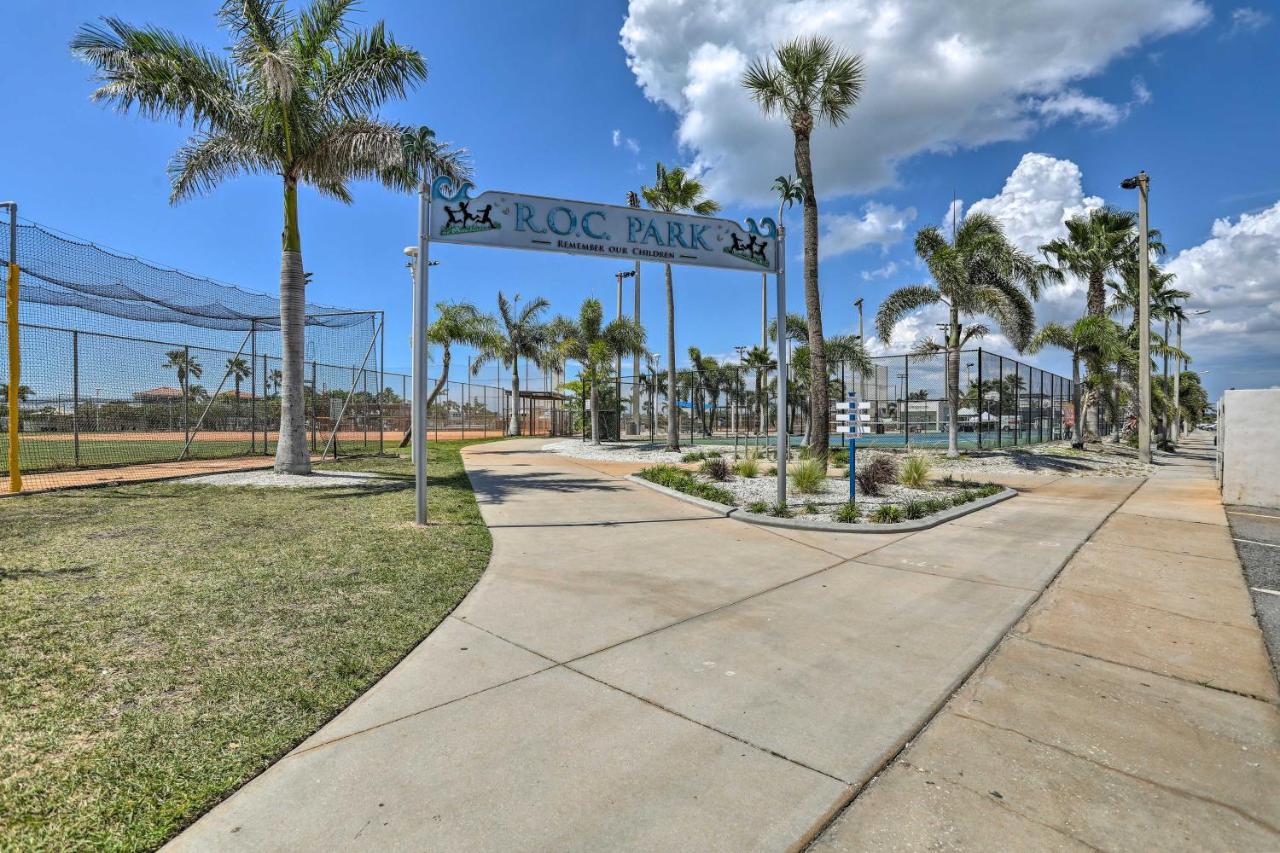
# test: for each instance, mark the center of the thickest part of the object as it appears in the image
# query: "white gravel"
(615, 451)
(270, 479)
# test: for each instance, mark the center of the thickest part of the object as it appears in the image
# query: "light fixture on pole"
(617, 377)
(1142, 183)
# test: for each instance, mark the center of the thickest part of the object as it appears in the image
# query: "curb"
(711, 506)
(739, 514)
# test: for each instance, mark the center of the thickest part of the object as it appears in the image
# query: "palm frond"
(901, 302)
(209, 159)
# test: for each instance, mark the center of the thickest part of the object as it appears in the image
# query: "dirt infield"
(246, 436)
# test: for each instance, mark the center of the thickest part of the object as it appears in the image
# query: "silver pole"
(1144, 325)
(764, 310)
(1177, 390)
(635, 362)
(780, 248)
(418, 416)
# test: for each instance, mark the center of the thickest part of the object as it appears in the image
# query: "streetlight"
(1142, 183)
(1177, 377)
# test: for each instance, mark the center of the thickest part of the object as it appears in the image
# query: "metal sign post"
(783, 436)
(418, 414)
(850, 416)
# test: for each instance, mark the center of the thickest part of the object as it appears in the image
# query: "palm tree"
(522, 334)
(186, 366)
(789, 192)
(979, 273)
(239, 371)
(294, 97)
(273, 382)
(705, 386)
(455, 323)
(1097, 244)
(808, 80)
(24, 394)
(762, 362)
(673, 190)
(595, 346)
(1095, 339)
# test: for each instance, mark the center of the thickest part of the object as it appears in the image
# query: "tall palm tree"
(1095, 339)
(979, 273)
(595, 346)
(762, 362)
(809, 80)
(789, 191)
(294, 97)
(522, 334)
(455, 323)
(1097, 244)
(674, 191)
(24, 393)
(186, 367)
(238, 369)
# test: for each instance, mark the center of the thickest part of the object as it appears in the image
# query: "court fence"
(1003, 403)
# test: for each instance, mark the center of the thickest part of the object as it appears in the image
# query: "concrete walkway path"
(631, 673)
(1134, 708)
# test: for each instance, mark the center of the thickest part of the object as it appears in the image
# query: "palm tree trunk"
(1097, 303)
(513, 425)
(673, 425)
(595, 409)
(292, 454)
(818, 403)
(953, 385)
(435, 392)
(1077, 435)
(1115, 427)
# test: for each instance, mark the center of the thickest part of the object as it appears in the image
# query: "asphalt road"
(1256, 531)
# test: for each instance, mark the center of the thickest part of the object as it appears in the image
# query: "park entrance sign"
(513, 221)
(448, 213)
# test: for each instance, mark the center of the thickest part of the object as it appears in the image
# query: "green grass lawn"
(163, 643)
(36, 455)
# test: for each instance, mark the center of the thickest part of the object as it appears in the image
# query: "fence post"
(906, 402)
(980, 397)
(253, 386)
(314, 406)
(266, 405)
(75, 395)
(382, 378)
(1000, 401)
(1040, 424)
(186, 384)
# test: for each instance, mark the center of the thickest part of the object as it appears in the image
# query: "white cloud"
(879, 224)
(885, 271)
(620, 141)
(938, 76)
(1246, 19)
(1236, 275)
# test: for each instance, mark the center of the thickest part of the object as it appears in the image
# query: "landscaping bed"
(887, 491)
(166, 642)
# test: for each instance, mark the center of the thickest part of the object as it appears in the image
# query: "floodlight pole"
(1144, 325)
(780, 249)
(418, 413)
(15, 359)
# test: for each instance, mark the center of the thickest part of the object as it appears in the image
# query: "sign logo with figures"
(515, 221)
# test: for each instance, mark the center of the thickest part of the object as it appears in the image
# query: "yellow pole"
(15, 375)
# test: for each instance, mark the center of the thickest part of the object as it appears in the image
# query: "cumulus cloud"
(938, 76)
(1235, 273)
(879, 224)
(620, 141)
(886, 271)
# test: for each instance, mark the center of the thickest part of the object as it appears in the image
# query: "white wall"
(1249, 440)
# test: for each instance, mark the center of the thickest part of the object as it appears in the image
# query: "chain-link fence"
(1003, 403)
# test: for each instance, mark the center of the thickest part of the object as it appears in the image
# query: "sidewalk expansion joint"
(1172, 789)
(1135, 668)
(1132, 603)
(708, 726)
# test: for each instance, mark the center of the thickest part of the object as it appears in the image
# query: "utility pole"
(633, 200)
(1142, 183)
(617, 379)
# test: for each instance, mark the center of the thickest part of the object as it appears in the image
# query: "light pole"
(633, 200)
(617, 378)
(1142, 183)
(1177, 377)
(862, 389)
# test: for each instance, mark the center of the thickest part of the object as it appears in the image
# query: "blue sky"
(549, 99)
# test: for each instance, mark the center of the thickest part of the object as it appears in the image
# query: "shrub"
(747, 468)
(915, 509)
(771, 471)
(840, 456)
(780, 511)
(810, 508)
(693, 456)
(713, 454)
(933, 505)
(758, 507)
(887, 514)
(875, 475)
(716, 469)
(847, 513)
(682, 481)
(966, 496)
(807, 477)
(915, 471)
(990, 489)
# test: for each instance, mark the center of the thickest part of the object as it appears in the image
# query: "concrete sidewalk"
(1133, 708)
(631, 673)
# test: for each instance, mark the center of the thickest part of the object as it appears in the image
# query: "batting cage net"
(124, 363)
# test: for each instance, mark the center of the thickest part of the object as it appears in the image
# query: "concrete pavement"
(1256, 531)
(1132, 708)
(632, 673)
